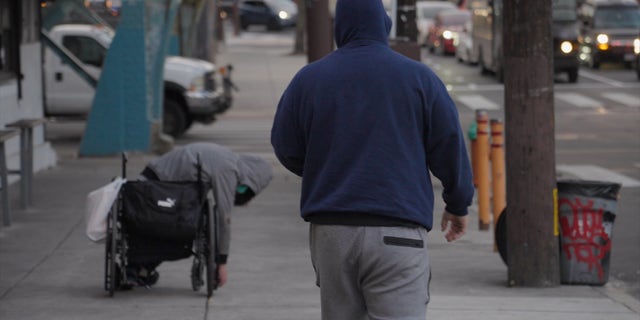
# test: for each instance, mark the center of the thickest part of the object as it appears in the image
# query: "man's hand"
(455, 226)
(222, 274)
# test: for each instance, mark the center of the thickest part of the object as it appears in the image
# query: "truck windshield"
(429, 12)
(457, 19)
(105, 36)
(286, 5)
(564, 10)
(617, 17)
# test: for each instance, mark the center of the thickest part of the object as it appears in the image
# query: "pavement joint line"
(45, 258)
(619, 296)
(207, 303)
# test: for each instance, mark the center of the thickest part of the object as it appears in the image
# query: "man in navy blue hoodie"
(363, 127)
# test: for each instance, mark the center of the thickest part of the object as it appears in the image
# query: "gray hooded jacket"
(222, 171)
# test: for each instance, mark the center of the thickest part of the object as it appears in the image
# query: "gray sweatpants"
(379, 272)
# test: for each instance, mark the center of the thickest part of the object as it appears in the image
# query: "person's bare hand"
(222, 274)
(453, 226)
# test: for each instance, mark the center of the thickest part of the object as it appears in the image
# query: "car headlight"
(636, 46)
(602, 38)
(197, 84)
(566, 47)
(447, 34)
(283, 14)
(603, 41)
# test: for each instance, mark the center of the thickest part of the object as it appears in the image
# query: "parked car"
(426, 12)
(464, 45)
(608, 30)
(443, 34)
(274, 14)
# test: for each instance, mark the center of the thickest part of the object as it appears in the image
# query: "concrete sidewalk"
(50, 270)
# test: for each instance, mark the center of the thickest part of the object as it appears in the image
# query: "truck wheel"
(274, 25)
(244, 24)
(500, 75)
(594, 62)
(573, 75)
(483, 67)
(174, 119)
(189, 123)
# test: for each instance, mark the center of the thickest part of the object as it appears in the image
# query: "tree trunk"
(320, 42)
(299, 45)
(532, 241)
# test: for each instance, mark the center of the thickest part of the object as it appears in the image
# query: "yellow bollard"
(482, 162)
(498, 176)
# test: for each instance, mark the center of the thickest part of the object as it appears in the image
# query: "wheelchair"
(148, 228)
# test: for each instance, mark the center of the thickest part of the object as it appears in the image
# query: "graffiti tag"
(587, 240)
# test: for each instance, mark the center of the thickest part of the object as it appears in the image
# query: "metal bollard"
(482, 161)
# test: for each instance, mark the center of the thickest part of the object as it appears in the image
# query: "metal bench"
(25, 128)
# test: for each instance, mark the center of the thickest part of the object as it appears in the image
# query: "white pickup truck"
(193, 91)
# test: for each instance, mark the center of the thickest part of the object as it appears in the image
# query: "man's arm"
(222, 231)
(447, 154)
(286, 135)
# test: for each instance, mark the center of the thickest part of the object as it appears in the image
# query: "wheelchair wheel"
(111, 272)
(210, 252)
(197, 268)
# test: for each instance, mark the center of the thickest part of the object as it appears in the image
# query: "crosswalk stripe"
(593, 76)
(578, 100)
(623, 98)
(596, 173)
(476, 102)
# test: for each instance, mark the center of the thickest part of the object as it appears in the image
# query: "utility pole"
(206, 35)
(299, 44)
(406, 31)
(319, 29)
(532, 240)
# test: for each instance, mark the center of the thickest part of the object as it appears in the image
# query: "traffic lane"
(606, 138)
(453, 72)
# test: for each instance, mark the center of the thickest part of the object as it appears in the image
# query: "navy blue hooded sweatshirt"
(364, 125)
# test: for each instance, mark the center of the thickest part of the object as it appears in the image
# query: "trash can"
(586, 212)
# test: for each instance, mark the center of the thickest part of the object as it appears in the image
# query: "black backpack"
(160, 209)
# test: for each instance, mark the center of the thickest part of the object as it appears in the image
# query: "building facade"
(21, 88)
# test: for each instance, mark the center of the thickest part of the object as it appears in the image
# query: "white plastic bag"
(99, 203)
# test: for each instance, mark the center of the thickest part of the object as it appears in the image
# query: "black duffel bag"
(160, 209)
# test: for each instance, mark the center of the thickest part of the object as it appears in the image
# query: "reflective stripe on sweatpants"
(371, 273)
